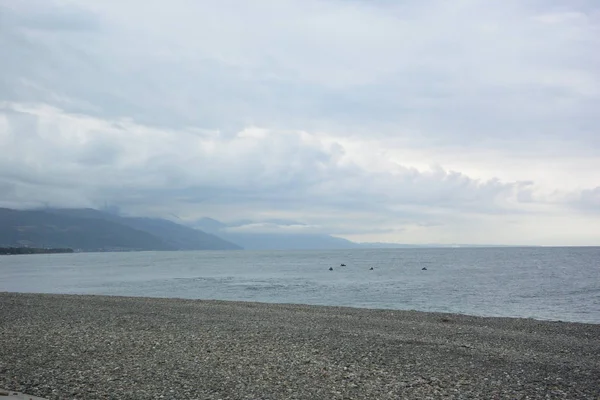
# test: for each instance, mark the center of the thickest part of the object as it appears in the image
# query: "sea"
(546, 283)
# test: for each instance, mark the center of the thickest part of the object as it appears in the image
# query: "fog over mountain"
(270, 236)
(373, 121)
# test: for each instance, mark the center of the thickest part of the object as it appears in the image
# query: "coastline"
(92, 347)
(15, 251)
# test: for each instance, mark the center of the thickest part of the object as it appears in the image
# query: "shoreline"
(368, 308)
(95, 346)
(352, 307)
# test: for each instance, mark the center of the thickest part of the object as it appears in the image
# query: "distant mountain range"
(252, 240)
(94, 230)
(273, 241)
(85, 229)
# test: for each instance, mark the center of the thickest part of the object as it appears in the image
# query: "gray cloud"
(376, 118)
(588, 200)
(276, 170)
(399, 71)
(39, 16)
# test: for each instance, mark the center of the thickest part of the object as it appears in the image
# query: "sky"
(377, 121)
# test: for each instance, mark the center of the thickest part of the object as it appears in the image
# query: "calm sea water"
(542, 283)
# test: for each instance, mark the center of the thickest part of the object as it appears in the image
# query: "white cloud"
(413, 121)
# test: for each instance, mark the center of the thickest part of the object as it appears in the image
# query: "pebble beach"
(104, 347)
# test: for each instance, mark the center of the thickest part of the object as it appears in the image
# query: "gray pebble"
(98, 347)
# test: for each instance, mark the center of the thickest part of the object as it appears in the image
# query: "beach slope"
(98, 347)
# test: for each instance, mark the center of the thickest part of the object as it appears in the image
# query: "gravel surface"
(98, 347)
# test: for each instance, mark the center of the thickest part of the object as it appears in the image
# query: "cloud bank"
(419, 122)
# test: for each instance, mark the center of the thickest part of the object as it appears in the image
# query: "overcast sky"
(396, 121)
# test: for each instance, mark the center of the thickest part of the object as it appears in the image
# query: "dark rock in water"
(331, 268)
(371, 269)
(423, 269)
(342, 265)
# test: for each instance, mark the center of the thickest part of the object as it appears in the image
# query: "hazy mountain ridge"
(94, 230)
(36, 228)
(177, 236)
(302, 241)
(85, 229)
(274, 241)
